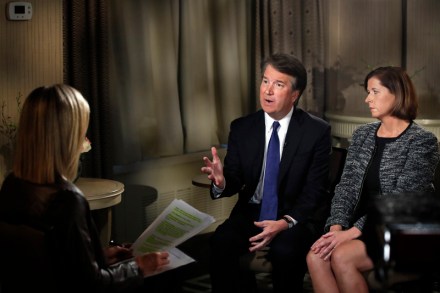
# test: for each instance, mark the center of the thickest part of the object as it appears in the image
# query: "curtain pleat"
(179, 74)
(86, 69)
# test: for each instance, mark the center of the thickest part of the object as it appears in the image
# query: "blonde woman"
(39, 198)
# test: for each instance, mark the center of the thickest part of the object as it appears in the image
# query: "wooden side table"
(101, 194)
(201, 181)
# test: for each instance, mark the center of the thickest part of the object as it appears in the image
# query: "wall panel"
(31, 54)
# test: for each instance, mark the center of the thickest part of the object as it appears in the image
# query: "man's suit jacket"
(303, 167)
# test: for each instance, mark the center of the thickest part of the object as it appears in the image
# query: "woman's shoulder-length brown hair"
(51, 131)
(397, 81)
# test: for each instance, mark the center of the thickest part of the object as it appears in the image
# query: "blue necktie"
(269, 203)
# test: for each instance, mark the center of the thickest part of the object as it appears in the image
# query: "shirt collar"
(284, 122)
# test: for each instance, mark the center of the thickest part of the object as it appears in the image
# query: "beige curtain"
(179, 74)
(144, 84)
(294, 27)
(214, 72)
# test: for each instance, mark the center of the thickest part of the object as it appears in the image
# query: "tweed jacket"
(407, 165)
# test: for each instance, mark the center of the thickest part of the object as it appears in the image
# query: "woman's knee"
(313, 260)
(339, 255)
(342, 258)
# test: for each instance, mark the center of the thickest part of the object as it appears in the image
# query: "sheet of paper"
(177, 258)
(177, 223)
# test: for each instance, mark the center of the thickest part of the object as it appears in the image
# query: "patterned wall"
(30, 56)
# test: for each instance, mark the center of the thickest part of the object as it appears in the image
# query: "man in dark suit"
(304, 148)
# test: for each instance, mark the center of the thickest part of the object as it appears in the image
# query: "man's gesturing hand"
(214, 169)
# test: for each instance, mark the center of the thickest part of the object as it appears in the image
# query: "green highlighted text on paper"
(177, 223)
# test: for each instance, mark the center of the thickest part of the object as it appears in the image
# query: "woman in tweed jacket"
(386, 158)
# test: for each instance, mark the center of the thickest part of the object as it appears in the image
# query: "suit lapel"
(293, 139)
(258, 139)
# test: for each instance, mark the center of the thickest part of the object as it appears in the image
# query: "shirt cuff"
(217, 191)
(292, 219)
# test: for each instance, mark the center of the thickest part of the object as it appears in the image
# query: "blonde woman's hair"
(52, 129)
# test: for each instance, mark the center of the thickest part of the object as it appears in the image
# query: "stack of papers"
(176, 224)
